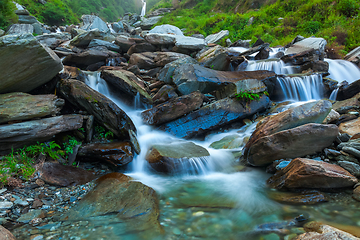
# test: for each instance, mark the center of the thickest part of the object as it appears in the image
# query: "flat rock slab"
(171, 158)
(106, 112)
(19, 134)
(313, 112)
(131, 206)
(350, 127)
(295, 142)
(62, 175)
(116, 154)
(172, 109)
(6, 234)
(214, 116)
(129, 85)
(308, 197)
(22, 106)
(346, 105)
(308, 173)
(25, 64)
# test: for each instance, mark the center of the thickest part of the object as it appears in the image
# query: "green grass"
(278, 23)
(249, 96)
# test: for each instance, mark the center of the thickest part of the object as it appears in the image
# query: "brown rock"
(314, 112)
(307, 173)
(295, 142)
(6, 234)
(320, 231)
(356, 193)
(116, 154)
(61, 175)
(173, 109)
(141, 47)
(22, 106)
(143, 60)
(165, 93)
(348, 104)
(106, 112)
(351, 127)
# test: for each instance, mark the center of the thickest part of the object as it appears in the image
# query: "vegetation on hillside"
(7, 14)
(275, 22)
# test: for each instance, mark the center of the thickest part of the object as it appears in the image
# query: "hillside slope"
(276, 22)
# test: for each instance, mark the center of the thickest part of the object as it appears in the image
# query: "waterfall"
(275, 65)
(147, 136)
(334, 94)
(143, 9)
(302, 88)
(342, 70)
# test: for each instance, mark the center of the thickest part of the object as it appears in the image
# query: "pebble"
(176, 231)
(198, 214)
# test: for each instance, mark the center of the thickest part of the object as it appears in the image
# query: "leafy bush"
(348, 8)
(7, 14)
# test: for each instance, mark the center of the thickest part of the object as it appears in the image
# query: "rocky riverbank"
(191, 92)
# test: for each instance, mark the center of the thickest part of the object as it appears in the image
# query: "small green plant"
(69, 146)
(249, 96)
(100, 132)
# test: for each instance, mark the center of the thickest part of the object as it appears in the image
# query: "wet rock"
(172, 109)
(319, 231)
(53, 40)
(246, 85)
(124, 42)
(130, 205)
(215, 58)
(25, 64)
(86, 58)
(348, 104)
(26, 218)
(19, 134)
(348, 91)
(184, 43)
(167, 72)
(174, 157)
(314, 112)
(350, 127)
(110, 46)
(91, 22)
(163, 58)
(351, 167)
(27, 19)
(354, 56)
(22, 106)
(141, 47)
(214, 38)
(126, 82)
(6, 234)
(332, 117)
(192, 77)
(84, 39)
(352, 151)
(20, 29)
(165, 93)
(295, 142)
(214, 116)
(147, 23)
(308, 197)
(308, 173)
(62, 175)
(350, 144)
(161, 39)
(106, 112)
(143, 60)
(115, 154)
(167, 29)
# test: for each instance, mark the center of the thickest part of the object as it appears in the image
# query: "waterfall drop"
(143, 9)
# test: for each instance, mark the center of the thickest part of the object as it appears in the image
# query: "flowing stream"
(215, 197)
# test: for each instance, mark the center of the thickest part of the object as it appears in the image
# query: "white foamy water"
(342, 70)
(274, 65)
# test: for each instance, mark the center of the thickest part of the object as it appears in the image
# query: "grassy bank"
(275, 22)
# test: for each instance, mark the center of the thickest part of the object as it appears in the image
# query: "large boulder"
(147, 23)
(6, 234)
(108, 45)
(174, 157)
(91, 22)
(127, 82)
(351, 127)
(124, 42)
(320, 231)
(215, 58)
(106, 112)
(348, 91)
(25, 64)
(313, 112)
(172, 109)
(354, 56)
(214, 38)
(308, 173)
(115, 154)
(167, 29)
(143, 60)
(86, 58)
(295, 142)
(193, 77)
(131, 207)
(20, 29)
(348, 104)
(160, 39)
(84, 39)
(167, 72)
(53, 40)
(214, 115)
(22, 106)
(184, 43)
(25, 133)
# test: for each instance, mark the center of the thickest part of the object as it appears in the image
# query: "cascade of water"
(275, 65)
(147, 136)
(111, 28)
(334, 94)
(302, 88)
(143, 9)
(342, 70)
